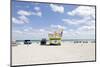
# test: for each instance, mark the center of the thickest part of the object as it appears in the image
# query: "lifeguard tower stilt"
(56, 37)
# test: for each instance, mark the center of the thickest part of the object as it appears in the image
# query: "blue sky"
(31, 20)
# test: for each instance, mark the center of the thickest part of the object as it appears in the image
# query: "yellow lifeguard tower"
(56, 37)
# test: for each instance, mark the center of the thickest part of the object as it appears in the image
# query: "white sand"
(67, 52)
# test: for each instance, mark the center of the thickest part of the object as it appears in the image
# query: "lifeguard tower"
(56, 37)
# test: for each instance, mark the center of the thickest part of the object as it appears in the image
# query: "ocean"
(65, 40)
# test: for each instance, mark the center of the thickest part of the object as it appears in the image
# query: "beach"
(67, 52)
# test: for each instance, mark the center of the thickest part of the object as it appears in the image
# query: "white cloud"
(24, 19)
(87, 28)
(16, 21)
(39, 13)
(58, 26)
(86, 14)
(57, 8)
(83, 25)
(30, 33)
(27, 29)
(70, 21)
(20, 20)
(30, 30)
(83, 11)
(84, 32)
(42, 30)
(17, 32)
(37, 8)
(24, 13)
(84, 21)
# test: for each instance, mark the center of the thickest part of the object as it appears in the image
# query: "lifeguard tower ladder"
(56, 37)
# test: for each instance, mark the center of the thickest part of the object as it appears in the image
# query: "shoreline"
(15, 43)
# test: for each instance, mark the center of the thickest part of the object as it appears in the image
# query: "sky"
(33, 20)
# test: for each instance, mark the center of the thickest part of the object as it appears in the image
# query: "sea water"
(63, 41)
